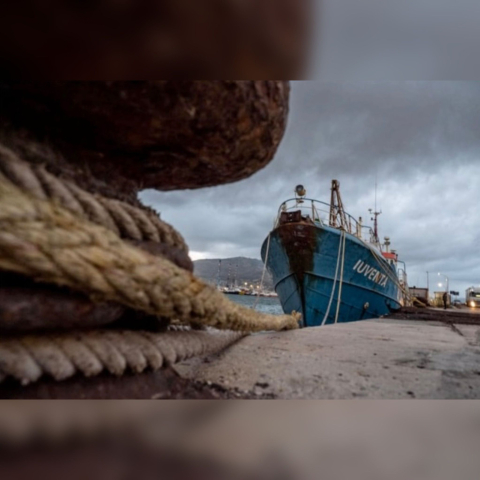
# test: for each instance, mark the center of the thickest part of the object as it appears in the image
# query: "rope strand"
(339, 297)
(121, 218)
(43, 240)
(28, 358)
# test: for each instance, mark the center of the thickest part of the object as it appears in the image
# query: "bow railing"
(321, 213)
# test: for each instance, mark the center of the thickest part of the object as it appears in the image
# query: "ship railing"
(320, 212)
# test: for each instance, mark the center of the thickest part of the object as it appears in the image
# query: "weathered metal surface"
(114, 139)
(29, 306)
(50, 308)
(290, 217)
(299, 241)
(125, 136)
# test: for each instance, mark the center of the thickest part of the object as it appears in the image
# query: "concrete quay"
(388, 358)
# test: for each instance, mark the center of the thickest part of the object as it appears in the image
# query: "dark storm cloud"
(420, 139)
(397, 40)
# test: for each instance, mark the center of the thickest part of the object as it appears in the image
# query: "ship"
(328, 266)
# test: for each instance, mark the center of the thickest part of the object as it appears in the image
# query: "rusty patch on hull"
(300, 241)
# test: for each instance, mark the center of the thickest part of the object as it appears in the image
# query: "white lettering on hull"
(371, 273)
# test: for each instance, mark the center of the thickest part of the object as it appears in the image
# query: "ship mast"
(337, 213)
(375, 214)
(375, 224)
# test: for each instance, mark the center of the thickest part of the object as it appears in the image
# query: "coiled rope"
(54, 232)
(121, 218)
(29, 357)
(43, 240)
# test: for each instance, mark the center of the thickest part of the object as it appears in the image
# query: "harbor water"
(269, 305)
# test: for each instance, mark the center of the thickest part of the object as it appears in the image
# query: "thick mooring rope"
(29, 357)
(125, 220)
(55, 232)
(43, 240)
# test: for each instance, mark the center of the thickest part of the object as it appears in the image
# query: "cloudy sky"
(420, 139)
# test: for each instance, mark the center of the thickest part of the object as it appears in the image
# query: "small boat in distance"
(324, 268)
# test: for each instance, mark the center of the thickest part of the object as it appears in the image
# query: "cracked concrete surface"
(382, 358)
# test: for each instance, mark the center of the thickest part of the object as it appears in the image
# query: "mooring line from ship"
(334, 283)
(267, 252)
(339, 296)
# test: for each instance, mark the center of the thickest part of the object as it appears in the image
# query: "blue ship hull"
(302, 259)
